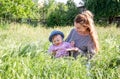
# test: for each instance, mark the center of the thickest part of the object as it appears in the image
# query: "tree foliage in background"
(104, 8)
(56, 14)
(71, 12)
(60, 14)
(52, 13)
(16, 9)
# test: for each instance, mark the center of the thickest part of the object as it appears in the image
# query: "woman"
(84, 35)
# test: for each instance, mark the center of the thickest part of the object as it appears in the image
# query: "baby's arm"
(72, 47)
(52, 51)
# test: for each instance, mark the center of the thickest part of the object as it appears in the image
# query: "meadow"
(23, 55)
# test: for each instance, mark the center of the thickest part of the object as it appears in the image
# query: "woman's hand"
(74, 49)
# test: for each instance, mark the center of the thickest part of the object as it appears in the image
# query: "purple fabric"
(60, 50)
(83, 42)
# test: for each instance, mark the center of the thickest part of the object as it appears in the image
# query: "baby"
(59, 48)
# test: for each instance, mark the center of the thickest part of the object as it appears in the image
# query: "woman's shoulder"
(73, 29)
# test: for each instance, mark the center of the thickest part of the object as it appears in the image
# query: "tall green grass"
(23, 55)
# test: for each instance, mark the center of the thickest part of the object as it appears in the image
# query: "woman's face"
(79, 27)
(57, 40)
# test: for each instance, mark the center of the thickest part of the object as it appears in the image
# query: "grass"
(23, 55)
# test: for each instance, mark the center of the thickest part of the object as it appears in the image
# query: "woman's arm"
(91, 50)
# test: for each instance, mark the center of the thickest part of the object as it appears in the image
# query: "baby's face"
(57, 40)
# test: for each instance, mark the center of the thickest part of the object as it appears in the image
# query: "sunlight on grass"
(23, 55)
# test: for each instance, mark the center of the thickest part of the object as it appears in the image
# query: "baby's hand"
(54, 52)
(72, 43)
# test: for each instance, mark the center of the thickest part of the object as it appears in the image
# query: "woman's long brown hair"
(86, 19)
